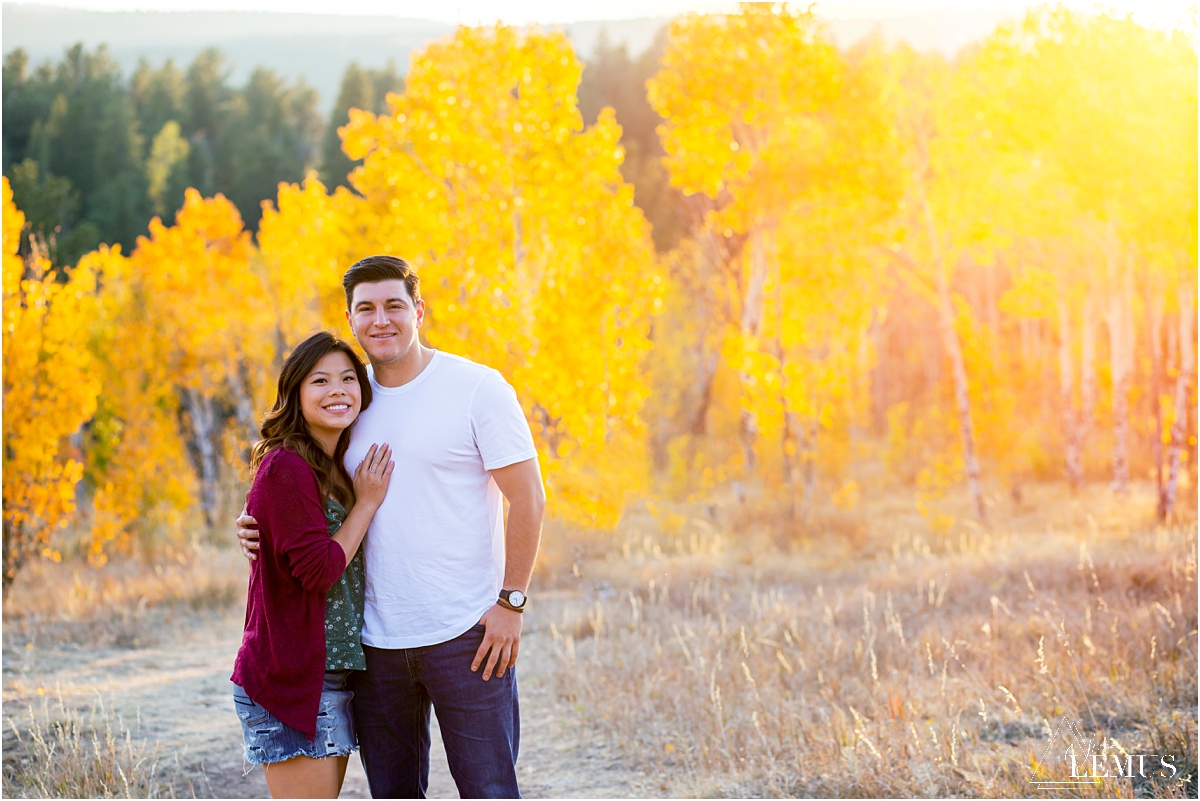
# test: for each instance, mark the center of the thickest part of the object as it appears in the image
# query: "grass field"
(720, 652)
(891, 662)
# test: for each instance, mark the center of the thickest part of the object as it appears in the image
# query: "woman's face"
(330, 395)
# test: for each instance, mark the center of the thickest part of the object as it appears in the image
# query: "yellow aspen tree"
(136, 455)
(952, 211)
(197, 283)
(826, 295)
(784, 141)
(696, 430)
(743, 95)
(305, 245)
(50, 390)
(1108, 109)
(1049, 285)
(182, 334)
(533, 258)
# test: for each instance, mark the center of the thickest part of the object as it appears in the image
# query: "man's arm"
(521, 484)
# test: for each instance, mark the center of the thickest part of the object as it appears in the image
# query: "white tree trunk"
(958, 365)
(1077, 414)
(708, 263)
(202, 415)
(1121, 358)
(809, 461)
(244, 404)
(751, 323)
(962, 394)
(1153, 301)
(1087, 373)
(1066, 372)
(1183, 385)
(788, 442)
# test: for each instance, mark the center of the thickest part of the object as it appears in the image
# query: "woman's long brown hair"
(285, 427)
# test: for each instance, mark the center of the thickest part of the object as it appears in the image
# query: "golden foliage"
(50, 390)
(893, 257)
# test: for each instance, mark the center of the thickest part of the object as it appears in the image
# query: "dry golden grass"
(57, 750)
(69, 602)
(61, 753)
(726, 653)
(903, 665)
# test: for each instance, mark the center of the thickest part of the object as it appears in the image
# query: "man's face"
(385, 320)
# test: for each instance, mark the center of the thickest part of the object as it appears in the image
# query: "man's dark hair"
(374, 269)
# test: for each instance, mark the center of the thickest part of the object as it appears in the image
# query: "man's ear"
(420, 312)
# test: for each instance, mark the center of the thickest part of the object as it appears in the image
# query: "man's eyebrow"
(362, 303)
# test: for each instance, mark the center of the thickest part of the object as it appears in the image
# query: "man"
(446, 580)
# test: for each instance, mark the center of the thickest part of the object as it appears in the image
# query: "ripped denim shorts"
(269, 739)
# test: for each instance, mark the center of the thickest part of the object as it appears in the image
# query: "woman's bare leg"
(306, 777)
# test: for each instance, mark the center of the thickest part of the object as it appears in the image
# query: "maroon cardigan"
(281, 664)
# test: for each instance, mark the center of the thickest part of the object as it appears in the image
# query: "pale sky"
(1173, 13)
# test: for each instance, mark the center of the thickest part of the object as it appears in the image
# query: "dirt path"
(179, 689)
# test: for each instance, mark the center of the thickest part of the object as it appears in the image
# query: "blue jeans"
(268, 739)
(480, 720)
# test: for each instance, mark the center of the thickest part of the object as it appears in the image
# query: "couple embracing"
(346, 645)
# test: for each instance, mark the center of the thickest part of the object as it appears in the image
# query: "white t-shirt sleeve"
(501, 432)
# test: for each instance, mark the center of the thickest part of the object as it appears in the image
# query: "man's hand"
(247, 533)
(502, 636)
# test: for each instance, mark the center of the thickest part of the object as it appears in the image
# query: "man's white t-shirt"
(435, 549)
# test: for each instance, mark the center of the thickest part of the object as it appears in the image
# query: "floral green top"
(344, 606)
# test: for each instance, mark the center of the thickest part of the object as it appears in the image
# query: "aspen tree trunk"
(752, 307)
(1153, 301)
(962, 397)
(991, 311)
(1172, 345)
(958, 366)
(203, 417)
(1183, 386)
(788, 444)
(709, 261)
(1120, 357)
(280, 345)
(1087, 376)
(809, 461)
(862, 380)
(791, 451)
(1071, 421)
(243, 404)
(1077, 418)
(1118, 318)
(706, 365)
(706, 372)
(1192, 439)
(15, 550)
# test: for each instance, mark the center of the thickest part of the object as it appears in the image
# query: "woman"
(304, 606)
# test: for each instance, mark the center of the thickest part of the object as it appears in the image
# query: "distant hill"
(318, 47)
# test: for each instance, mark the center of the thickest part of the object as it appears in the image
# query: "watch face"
(516, 598)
